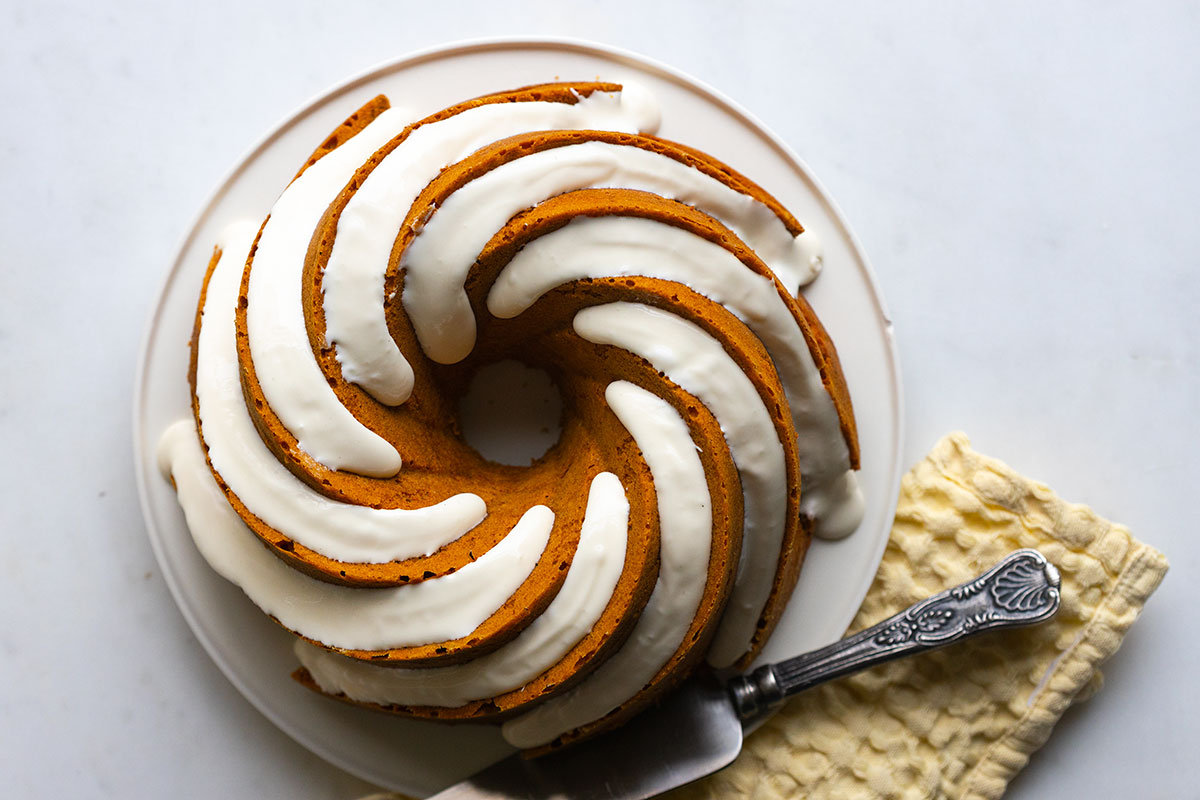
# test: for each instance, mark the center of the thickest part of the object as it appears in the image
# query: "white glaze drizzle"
(591, 579)
(288, 374)
(685, 525)
(810, 254)
(610, 246)
(438, 259)
(436, 610)
(341, 531)
(699, 365)
(372, 219)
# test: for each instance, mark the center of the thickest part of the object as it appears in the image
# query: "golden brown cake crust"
(438, 464)
(354, 123)
(559, 211)
(542, 336)
(428, 419)
(547, 324)
(490, 157)
(424, 430)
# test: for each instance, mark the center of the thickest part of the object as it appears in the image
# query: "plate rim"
(446, 51)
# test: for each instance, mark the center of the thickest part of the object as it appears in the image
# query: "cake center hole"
(511, 413)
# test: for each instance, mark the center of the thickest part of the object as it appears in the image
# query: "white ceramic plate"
(419, 758)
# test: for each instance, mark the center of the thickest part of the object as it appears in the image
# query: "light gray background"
(1023, 178)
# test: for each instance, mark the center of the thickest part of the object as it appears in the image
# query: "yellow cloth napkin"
(956, 723)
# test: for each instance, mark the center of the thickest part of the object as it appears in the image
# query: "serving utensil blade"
(694, 732)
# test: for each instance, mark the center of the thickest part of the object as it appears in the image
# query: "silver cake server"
(698, 729)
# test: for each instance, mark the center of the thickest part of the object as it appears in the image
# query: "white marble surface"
(1023, 177)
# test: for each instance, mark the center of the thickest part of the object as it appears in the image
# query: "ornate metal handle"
(1020, 590)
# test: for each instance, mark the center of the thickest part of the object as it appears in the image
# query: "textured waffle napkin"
(960, 722)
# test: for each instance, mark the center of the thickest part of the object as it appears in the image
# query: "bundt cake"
(707, 430)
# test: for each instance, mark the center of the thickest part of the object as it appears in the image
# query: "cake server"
(698, 729)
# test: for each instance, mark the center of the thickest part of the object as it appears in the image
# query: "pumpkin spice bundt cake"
(707, 430)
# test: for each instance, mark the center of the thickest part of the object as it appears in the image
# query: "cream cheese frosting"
(612, 246)
(698, 364)
(685, 521)
(438, 260)
(290, 379)
(436, 610)
(344, 531)
(289, 376)
(591, 580)
(371, 220)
